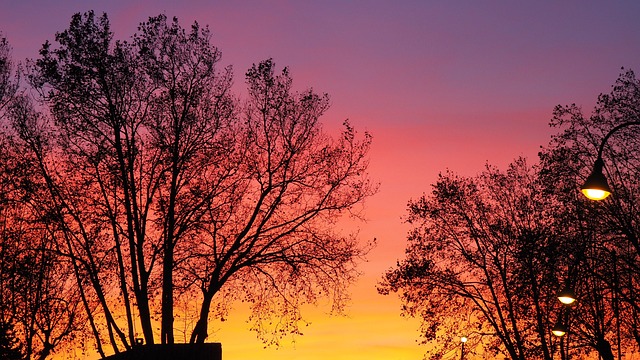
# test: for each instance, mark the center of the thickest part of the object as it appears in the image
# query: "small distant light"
(139, 341)
(463, 339)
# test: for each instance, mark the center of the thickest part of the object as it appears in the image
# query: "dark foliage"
(10, 347)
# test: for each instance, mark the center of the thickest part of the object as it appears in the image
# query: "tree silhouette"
(610, 261)
(10, 348)
(158, 184)
(35, 297)
(487, 254)
(481, 259)
(8, 82)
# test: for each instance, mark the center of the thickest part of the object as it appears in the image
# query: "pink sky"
(439, 84)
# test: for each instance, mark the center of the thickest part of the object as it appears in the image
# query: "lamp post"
(567, 298)
(463, 340)
(561, 328)
(596, 186)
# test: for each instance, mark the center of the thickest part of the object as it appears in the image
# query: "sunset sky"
(439, 84)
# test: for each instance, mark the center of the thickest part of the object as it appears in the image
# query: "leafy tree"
(158, 183)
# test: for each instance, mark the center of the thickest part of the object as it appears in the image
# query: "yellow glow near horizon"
(372, 329)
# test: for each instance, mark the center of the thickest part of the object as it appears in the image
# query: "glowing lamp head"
(463, 339)
(595, 194)
(596, 186)
(559, 330)
(567, 296)
(567, 300)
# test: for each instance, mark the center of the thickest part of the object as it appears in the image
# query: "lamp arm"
(606, 137)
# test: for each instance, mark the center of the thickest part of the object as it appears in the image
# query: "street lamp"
(560, 329)
(567, 296)
(596, 186)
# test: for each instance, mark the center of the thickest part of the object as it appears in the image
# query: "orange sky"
(439, 84)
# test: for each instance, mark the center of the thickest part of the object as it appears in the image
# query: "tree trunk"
(145, 316)
(199, 333)
(166, 329)
(167, 297)
(604, 349)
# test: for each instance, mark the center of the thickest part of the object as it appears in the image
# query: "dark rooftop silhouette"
(208, 351)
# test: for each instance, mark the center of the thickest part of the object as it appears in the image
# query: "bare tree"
(8, 80)
(161, 183)
(274, 238)
(610, 261)
(35, 295)
(488, 254)
(192, 130)
(480, 259)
